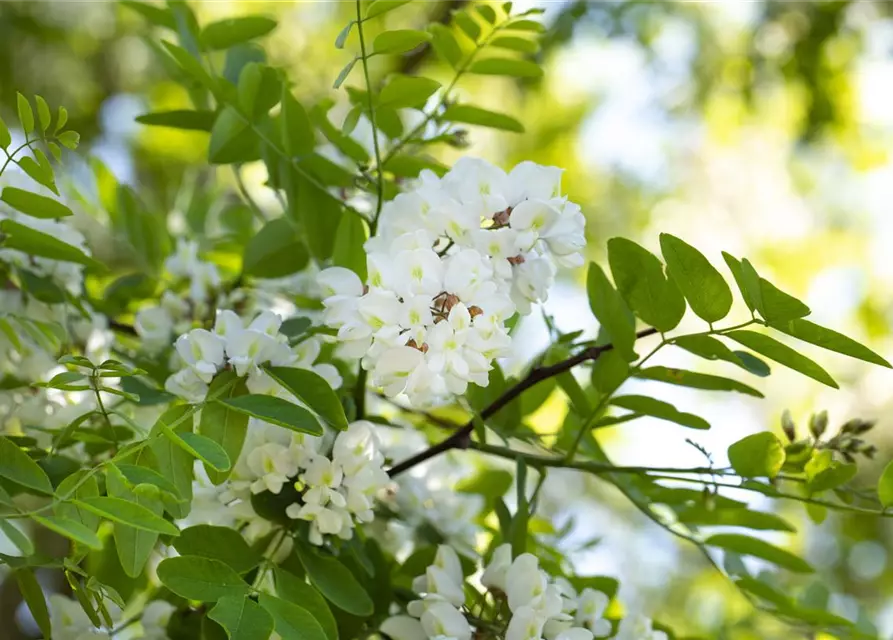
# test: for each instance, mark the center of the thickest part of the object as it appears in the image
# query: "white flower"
(638, 627)
(527, 586)
(494, 576)
(186, 383)
(272, 465)
(202, 351)
(403, 628)
(443, 619)
(155, 326)
(526, 624)
(576, 633)
(357, 447)
(591, 606)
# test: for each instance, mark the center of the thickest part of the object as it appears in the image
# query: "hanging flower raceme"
(452, 261)
(528, 603)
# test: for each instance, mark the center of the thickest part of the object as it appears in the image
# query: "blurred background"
(761, 128)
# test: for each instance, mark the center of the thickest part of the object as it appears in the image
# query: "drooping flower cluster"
(244, 348)
(540, 607)
(452, 261)
(335, 490)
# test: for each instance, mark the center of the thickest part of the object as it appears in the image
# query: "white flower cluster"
(202, 276)
(453, 259)
(69, 621)
(541, 607)
(245, 348)
(337, 489)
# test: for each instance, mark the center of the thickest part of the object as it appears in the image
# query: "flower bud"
(818, 423)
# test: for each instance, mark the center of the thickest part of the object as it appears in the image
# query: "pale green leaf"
(17, 466)
(759, 454)
(782, 354)
(224, 34)
(703, 286)
(659, 409)
(469, 114)
(748, 546)
(34, 205)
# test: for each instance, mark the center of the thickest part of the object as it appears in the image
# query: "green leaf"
(32, 594)
(155, 15)
(836, 475)
(660, 409)
(399, 40)
(761, 295)
(468, 114)
(349, 240)
(782, 354)
(204, 579)
(703, 516)
(487, 12)
(445, 44)
(5, 137)
(26, 115)
(701, 284)
(133, 545)
(224, 34)
(745, 545)
(188, 119)
(467, 24)
(345, 71)
(232, 140)
(71, 529)
(15, 465)
(218, 543)
(297, 591)
(129, 513)
(275, 251)
(521, 520)
(759, 454)
(291, 621)
(69, 139)
(404, 92)
(136, 475)
(171, 460)
(15, 535)
(343, 34)
(205, 449)
(640, 279)
(242, 618)
(43, 112)
(275, 411)
(33, 204)
(611, 312)
(885, 486)
(335, 581)
(526, 25)
(684, 378)
(829, 339)
(37, 243)
(86, 486)
(297, 132)
(313, 390)
(222, 426)
(506, 67)
(379, 7)
(514, 43)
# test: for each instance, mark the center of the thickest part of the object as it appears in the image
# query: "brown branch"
(462, 438)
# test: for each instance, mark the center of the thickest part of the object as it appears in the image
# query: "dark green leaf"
(335, 581)
(232, 140)
(5, 137)
(71, 529)
(297, 591)
(748, 546)
(702, 516)
(205, 449)
(275, 411)
(445, 44)
(32, 594)
(349, 240)
(129, 513)
(829, 339)
(399, 40)
(695, 380)
(759, 454)
(297, 132)
(291, 621)
(782, 354)
(506, 67)
(156, 15)
(37, 243)
(204, 579)
(526, 25)
(188, 119)
(611, 311)
(171, 460)
(226, 428)
(314, 391)
(275, 251)
(467, 24)
(15, 465)
(468, 114)
(33, 204)
(218, 543)
(133, 545)
(487, 12)
(701, 284)
(403, 92)
(660, 409)
(514, 43)
(15, 535)
(136, 475)
(640, 279)
(223, 34)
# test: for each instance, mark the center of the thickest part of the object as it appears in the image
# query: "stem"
(359, 393)
(378, 163)
(105, 414)
(10, 156)
(462, 438)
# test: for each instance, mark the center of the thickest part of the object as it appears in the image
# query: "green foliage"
(759, 454)
(335, 581)
(275, 411)
(199, 578)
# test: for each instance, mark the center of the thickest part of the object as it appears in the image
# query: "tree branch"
(462, 438)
